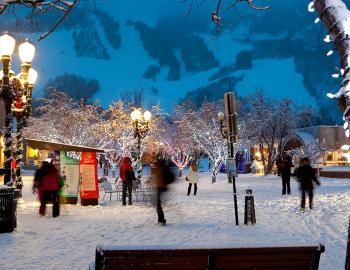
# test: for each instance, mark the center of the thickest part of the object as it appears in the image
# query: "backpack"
(130, 175)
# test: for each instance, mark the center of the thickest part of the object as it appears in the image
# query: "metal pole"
(233, 181)
(7, 97)
(347, 259)
(21, 117)
(139, 172)
(231, 125)
(19, 153)
(235, 199)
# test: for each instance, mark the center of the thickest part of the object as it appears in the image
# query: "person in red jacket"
(46, 180)
(127, 175)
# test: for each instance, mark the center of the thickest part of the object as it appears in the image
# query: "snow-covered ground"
(69, 241)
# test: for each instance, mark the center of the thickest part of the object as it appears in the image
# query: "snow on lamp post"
(229, 131)
(16, 93)
(141, 127)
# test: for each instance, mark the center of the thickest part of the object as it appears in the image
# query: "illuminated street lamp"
(140, 123)
(16, 91)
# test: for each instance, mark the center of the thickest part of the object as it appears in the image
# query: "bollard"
(347, 259)
(249, 208)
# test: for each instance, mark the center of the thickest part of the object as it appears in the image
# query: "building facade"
(331, 139)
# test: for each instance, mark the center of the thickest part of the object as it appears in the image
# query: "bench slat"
(270, 258)
(154, 267)
(278, 257)
(148, 260)
(306, 264)
(258, 257)
(244, 251)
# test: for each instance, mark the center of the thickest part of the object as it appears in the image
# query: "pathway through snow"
(69, 241)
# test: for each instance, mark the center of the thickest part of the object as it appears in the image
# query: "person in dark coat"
(162, 176)
(306, 178)
(285, 174)
(46, 181)
(126, 173)
(279, 162)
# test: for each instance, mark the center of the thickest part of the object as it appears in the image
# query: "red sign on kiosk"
(88, 179)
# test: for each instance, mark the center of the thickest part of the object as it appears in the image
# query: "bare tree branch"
(66, 13)
(40, 6)
(250, 3)
(215, 16)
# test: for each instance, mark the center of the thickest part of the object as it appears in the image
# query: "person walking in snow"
(285, 171)
(161, 176)
(192, 178)
(126, 174)
(306, 178)
(279, 165)
(46, 181)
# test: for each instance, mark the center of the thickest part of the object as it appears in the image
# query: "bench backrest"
(296, 258)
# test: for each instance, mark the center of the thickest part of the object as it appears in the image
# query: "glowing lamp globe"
(7, 45)
(147, 116)
(136, 115)
(26, 52)
(221, 116)
(32, 76)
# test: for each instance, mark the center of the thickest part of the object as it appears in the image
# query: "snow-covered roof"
(55, 146)
(306, 138)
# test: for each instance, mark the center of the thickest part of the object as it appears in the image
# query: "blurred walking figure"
(46, 181)
(306, 177)
(127, 175)
(284, 166)
(192, 178)
(162, 176)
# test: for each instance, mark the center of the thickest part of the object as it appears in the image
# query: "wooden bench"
(171, 258)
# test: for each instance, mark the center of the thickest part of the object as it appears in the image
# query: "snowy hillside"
(181, 53)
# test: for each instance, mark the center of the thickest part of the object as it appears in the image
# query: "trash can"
(8, 205)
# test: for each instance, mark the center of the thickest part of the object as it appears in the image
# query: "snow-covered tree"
(312, 150)
(65, 121)
(177, 147)
(267, 122)
(118, 129)
(203, 128)
(180, 155)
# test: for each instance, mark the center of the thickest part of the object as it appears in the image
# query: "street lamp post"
(16, 92)
(140, 124)
(229, 131)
